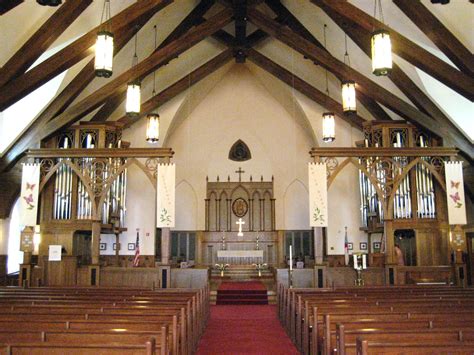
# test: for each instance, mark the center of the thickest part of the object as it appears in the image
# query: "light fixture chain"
(327, 81)
(135, 56)
(346, 55)
(154, 72)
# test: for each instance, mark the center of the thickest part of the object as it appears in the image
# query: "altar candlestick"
(291, 259)
(364, 261)
(356, 266)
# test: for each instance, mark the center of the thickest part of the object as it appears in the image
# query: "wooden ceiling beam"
(302, 86)
(7, 5)
(164, 55)
(366, 85)
(75, 52)
(406, 85)
(285, 16)
(402, 46)
(191, 20)
(41, 40)
(180, 86)
(240, 20)
(30, 136)
(373, 107)
(438, 33)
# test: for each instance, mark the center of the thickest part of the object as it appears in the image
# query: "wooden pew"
(98, 314)
(412, 305)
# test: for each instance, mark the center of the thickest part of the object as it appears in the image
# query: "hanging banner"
(29, 194)
(318, 195)
(165, 200)
(455, 192)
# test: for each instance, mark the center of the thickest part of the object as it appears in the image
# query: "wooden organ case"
(69, 215)
(417, 205)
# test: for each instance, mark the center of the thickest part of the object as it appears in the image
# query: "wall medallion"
(240, 207)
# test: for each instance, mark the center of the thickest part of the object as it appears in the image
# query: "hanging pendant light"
(329, 126)
(381, 47)
(132, 105)
(153, 128)
(104, 46)
(49, 2)
(349, 103)
(153, 119)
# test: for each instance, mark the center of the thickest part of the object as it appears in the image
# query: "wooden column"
(272, 201)
(229, 215)
(318, 245)
(229, 225)
(251, 214)
(165, 246)
(207, 213)
(95, 252)
(390, 243)
(117, 249)
(218, 214)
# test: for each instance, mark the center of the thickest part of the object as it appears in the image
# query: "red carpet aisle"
(249, 330)
(249, 292)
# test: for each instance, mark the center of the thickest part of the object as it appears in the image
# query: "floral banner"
(455, 192)
(165, 200)
(29, 194)
(318, 195)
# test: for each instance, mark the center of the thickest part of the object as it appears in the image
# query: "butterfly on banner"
(456, 199)
(455, 184)
(29, 201)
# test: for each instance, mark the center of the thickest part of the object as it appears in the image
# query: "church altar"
(241, 257)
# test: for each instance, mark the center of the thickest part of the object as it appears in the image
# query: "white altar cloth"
(240, 253)
(240, 256)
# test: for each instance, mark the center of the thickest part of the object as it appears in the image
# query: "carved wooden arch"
(223, 194)
(76, 170)
(120, 170)
(362, 168)
(243, 188)
(404, 173)
(256, 192)
(267, 193)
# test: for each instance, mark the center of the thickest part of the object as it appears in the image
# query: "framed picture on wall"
(103, 246)
(131, 246)
(363, 246)
(350, 246)
(376, 246)
(115, 246)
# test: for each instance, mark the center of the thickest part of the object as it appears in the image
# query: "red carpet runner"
(249, 330)
(250, 292)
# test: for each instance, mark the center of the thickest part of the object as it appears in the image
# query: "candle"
(364, 261)
(356, 266)
(291, 259)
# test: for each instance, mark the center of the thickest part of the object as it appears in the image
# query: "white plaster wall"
(239, 107)
(241, 104)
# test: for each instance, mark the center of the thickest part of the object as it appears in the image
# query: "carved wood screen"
(228, 201)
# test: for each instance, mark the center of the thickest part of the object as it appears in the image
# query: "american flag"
(136, 260)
